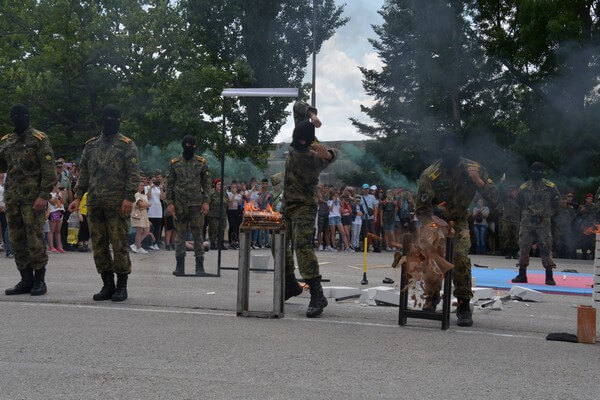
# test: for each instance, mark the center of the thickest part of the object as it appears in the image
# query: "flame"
(590, 230)
(253, 214)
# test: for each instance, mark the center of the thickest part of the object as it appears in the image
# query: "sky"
(338, 82)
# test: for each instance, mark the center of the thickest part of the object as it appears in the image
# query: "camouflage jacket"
(109, 171)
(538, 201)
(448, 194)
(188, 182)
(301, 177)
(213, 210)
(563, 220)
(511, 211)
(587, 214)
(28, 161)
(301, 110)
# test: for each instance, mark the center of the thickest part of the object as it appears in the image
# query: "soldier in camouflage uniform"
(509, 222)
(562, 230)
(188, 189)
(27, 158)
(304, 163)
(109, 173)
(538, 199)
(213, 215)
(305, 112)
(446, 188)
(588, 218)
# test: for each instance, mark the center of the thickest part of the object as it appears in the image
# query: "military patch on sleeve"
(39, 135)
(133, 160)
(424, 197)
(490, 181)
(48, 157)
(435, 174)
(124, 139)
(201, 159)
(523, 186)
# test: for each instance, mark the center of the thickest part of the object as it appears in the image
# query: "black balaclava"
(111, 120)
(19, 115)
(189, 146)
(537, 171)
(303, 132)
(450, 149)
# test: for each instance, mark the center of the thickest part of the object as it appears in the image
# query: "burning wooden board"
(424, 259)
(255, 218)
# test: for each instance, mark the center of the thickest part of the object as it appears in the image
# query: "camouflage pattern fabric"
(301, 111)
(538, 202)
(25, 231)
(28, 161)
(448, 194)
(213, 227)
(302, 169)
(188, 183)
(562, 234)
(588, 218)
(509, 222)
(109, 171)
(213, 202)
(109, 227)
(190, 219)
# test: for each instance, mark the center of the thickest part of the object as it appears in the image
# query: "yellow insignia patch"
(490, 181)
(48, 157)
(133, 160)
(5, 136)
(200, 159)
(523, 186)
(39, 135)
(173, 161)
(434, 175)
(124, 139)
(549, 184)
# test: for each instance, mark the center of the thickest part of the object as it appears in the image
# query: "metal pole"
(220, 227)
(313, 100)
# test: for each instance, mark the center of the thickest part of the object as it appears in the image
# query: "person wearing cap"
(509, 221)
(539, 200)
(304, 163)
(213, 215)
(188, 191)
(446, 189)
(27, 158)
(371, 205)
(588, 218)
(109, 173)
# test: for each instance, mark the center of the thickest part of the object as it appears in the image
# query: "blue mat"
(566, 282)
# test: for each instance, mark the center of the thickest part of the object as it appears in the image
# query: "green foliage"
(516, 79)
(164, 63)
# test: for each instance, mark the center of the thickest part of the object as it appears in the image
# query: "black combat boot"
(550, 278)
(317, 300)
(463, 313)
(108, 287)
(432, 302)
(25, 285)
(200, 266)
(39, 286)
(121, 290)
(179, 266)
(522, 277)
(292, 287)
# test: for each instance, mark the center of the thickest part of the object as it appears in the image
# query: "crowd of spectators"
(345, 216)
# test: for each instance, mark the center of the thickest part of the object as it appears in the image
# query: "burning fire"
(590, 230)
(254, 216)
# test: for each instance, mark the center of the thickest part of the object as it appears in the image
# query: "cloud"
(338, 81)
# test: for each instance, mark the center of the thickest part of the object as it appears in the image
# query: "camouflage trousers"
(300, 230)
(26, 234)
(108, 226)
(461, 273)
(543, 237)
(509, 235)
(213, 227)
(192, 219)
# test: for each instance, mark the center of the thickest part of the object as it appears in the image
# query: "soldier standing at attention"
(110, 175)
(562, 235)
(539, 200)
(213, 215)
(446, 188)
(588, 218)
(188, 189)
(304, 163)
(27, 158)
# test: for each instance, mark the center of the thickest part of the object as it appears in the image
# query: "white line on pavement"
(232, 314)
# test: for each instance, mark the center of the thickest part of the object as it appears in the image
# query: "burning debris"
(424, 256)
(255, 218)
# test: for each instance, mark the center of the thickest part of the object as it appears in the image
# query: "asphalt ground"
(179, 338)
